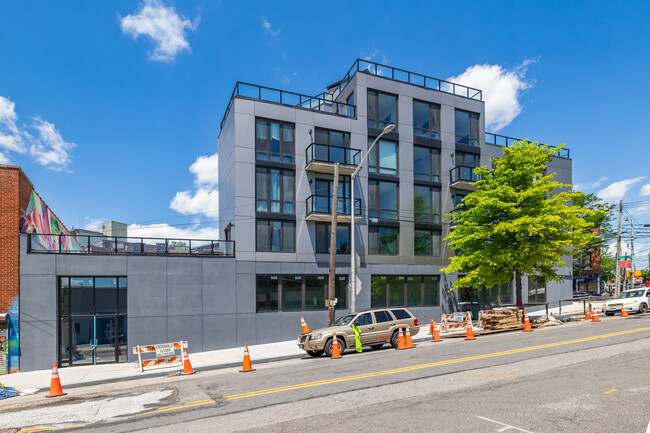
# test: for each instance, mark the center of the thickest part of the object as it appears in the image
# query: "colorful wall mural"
(39, 221)
(11, 346)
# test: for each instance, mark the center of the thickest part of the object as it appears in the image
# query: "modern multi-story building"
(277, 152)
(85, 298)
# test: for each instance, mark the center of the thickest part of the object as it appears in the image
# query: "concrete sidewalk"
(95, 374)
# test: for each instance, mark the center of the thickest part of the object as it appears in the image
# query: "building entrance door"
(92, 324)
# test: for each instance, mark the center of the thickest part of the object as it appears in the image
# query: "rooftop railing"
(502, 140)
(323, 204)
(315, 103)
(76, 244)
(332, 154)
(407, 77)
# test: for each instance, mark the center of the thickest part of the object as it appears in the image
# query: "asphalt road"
(575, 377)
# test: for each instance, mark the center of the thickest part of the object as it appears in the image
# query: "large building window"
(274, 190)
(426, 119)
(297, 292)
(467, 128)
(383, 200)
(427, 242)
(466, 159)
(276, 236)
(497, 294)
(382, 109)
(332, 138)
(323, 238)
(383, 157)
(426, 204)
(383, 240)
(92, 320)
(404, 291)
(426, 164)
(536, 289)
(274, 141)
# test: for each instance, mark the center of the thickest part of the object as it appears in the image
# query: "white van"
(634, 301)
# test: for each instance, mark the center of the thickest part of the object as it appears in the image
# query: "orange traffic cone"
(407, 339)
(527, 327)
(187, 367)
(469, 333)
(303, 325)
(431, 327)
(336, 353)
(624, 312)
(588, 315)
(436, 333)
(595, 318)
(55, 384)
(247, 361)
(401, 343)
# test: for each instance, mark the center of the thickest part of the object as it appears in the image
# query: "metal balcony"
(321, 159)
(462, 177)
(319, 208)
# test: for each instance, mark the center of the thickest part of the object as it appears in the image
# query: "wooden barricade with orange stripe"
(455, 322)
(165, 354)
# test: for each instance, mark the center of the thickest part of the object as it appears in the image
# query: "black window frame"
(374, 248)
(431, 132)
(433, 218)
(403, 288)
(375, 122)
(434, 169)
(340, 291)
(434, 234)
(282, 222)
(468, 140)
(269, 154)
(328, 227)
(377, 199)
(467, 159)
(376, 168)
(267, 199)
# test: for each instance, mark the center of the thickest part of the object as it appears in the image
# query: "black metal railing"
(323, 204)
(332, 154)
(502, 140)
(324, 104)
(77, 244)
(405, 76)
(462, 173)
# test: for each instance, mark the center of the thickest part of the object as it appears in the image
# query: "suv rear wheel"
(329, 344)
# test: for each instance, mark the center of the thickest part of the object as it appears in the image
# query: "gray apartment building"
(89, 299)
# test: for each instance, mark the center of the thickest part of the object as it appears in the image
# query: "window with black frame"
(332, 146)
(382, 109)
(427, 242)
(467, 128)
(426, 204)
(383, 199)
(274, 141)
(404, 290)
(297, 292)
(536, 289)
(275, 236)
(426, 164)
(426, 119)
(383, 157)
(323, 238)
(275, 190)
(383, 240)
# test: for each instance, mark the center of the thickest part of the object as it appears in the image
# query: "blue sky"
(106, 113)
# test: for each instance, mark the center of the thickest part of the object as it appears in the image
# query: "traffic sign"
(638, 280)
(626, 263)
(625, 257)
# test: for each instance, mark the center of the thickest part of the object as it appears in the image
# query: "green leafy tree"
(518, 221)
(600, 223)
(607, 267)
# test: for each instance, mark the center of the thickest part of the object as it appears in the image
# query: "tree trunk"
(520, 302)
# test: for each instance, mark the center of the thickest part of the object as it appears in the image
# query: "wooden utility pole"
(617, 289)
(331, 282)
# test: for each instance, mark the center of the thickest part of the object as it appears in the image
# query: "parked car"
(378, 327)
(581, 294)
(634, 301)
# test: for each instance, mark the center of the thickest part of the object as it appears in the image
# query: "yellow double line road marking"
(395, 371)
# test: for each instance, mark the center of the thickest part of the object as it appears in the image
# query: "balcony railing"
(322, 204)
(502, 140)
(407, 77)
(332, 154)
(462, 173)
(76, 244)
(325, 104)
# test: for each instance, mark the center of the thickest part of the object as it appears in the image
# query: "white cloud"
(589, 185)
(205, 198)
(169, 232)
(266, 25)
(50, 150)
(46, 146)
(617, 190)
(11, 138)
(163, 25)
(645, 189)
(502, 90)
(94, 225)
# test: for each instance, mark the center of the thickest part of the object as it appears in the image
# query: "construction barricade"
(455, 322)
(165, 354)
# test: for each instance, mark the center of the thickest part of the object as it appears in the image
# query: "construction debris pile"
(544, 320)
(503, 318)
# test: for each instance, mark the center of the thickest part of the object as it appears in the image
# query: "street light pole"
(353, 261)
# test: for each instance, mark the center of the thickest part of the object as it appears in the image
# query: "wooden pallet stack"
(503, 318)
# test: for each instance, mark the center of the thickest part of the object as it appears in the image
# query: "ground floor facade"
(80, 309)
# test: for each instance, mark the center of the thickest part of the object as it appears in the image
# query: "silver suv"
(378, 327)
